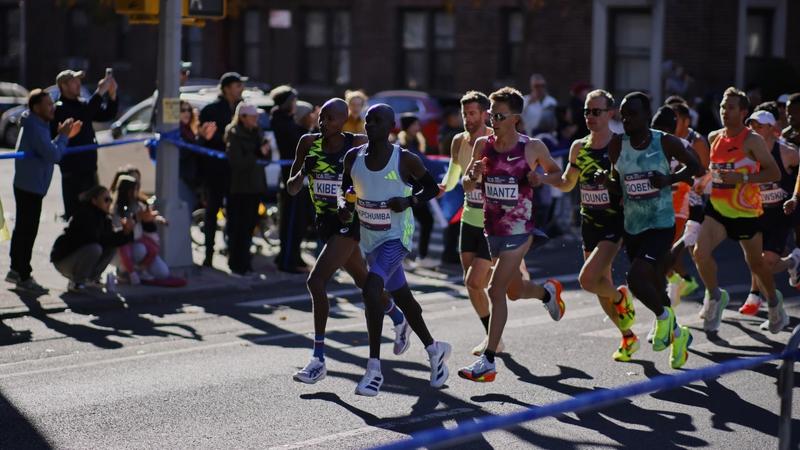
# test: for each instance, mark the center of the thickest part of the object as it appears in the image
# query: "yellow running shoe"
(628, 346)
(680, 348)
(625, 312)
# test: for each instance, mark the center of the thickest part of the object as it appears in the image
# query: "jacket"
(244, 151)
(94, 110)
(287, 135)
(216, 171)
(34, 172)
(89, 225)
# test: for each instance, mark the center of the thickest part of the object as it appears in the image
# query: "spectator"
(356, 101)
(245, 146)
(678, 81)
(306, 115)
(411, 138)
(578, 93)
(295, 211)
(89, 242)
(139, 260)
(451, 126)
(215, 171)
(79, 170)
(191, 132)
(782, 100)
(792, 131)
(32, 176)
(539, 109)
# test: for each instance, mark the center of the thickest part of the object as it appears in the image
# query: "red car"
(418, 103)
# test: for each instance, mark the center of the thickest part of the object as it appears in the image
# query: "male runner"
(601, 218)
(792, 135)
(382, 174)
(320, 157)
(740, 161)
(503, 163)
(640, 160)
(774, 223)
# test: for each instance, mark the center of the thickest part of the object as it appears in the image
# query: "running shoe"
(32, 287)
(76, 288)
(438, 353)
(713, 317)
(674, 286)
(480, 348)
(428, 263)
(481, 371)
(794, 268)
(751, 305)
(680, 348)
(401, 337)
(778, 319)
(664, 331)
(628, 346)
(370, 384)
(652, 332)
(313, 371)
(625, 311)
(13, 277)
(689, 286)
(555, 306)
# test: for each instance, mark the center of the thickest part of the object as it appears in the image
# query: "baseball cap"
(186, 66)
(66, 75)
(282, 93)
(762, 117)
(303, 109)
(231, 77)
(246, 109)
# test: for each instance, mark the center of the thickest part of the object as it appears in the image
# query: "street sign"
(145, 7)
(205, 9)
(171, 108)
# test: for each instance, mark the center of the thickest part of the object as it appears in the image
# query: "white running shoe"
(401, 337)
(428, 263)
(370, 384)
(555, 306)
(777, 317)
(313, 371)
(704, 308)
(713, 317)
(480, 348)
(438, 353)
(794, 267)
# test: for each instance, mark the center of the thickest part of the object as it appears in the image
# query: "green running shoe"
(680, 348)
(628, 346)
(689, 286)
(664, 331)
(625, 311)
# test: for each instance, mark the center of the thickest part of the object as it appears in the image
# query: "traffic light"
(204, 9)
(143, 7)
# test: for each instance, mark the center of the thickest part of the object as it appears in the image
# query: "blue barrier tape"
(77, 148)
(591, 400)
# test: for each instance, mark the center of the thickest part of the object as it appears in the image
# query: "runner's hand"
(600, 178)
(345, 215)
(308, 164)
(534, 179)
(789, 206)
(442, 191)
(398, 204)
(730, 177)
(659, 180)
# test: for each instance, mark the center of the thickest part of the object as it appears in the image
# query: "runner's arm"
(570, 176)
(454, 170)
(675, 149)
(700, 146)
(769, 171)
(298, 170)
(537, 154)
(612, 179)
(345, 215)
(475, 169)
(411, 166)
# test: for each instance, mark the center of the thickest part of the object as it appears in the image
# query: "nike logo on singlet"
(513, 158)
(650, 154)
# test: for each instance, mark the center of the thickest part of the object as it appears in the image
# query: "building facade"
(441, 46)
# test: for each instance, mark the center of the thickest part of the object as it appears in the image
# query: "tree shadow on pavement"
(10, 336)
(669, 424)
(18, 432)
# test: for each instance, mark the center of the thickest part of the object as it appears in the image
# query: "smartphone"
(109, 72)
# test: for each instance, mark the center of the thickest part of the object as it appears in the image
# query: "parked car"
(11, 95)
(10, 120)
(137, 123)
(422, 104)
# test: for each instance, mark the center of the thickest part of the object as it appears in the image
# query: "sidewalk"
(203, 283)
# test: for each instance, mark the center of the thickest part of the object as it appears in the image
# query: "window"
(759, 32)
(9, 40)
(630, 50)
(77, 29)
(252, 40)
(428, 43)
(327, 47)
(513, 38)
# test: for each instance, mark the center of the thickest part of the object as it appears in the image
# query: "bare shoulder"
(359, 139)
(714, 135)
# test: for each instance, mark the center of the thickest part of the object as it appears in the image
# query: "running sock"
(374, 364)
(489, 355)
(664, 315)
(394, 312)
(620, 299)
(319, 347)
(715, 294)
(677, 331)
(485, 322)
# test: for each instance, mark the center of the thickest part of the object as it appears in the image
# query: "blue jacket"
(34, 172)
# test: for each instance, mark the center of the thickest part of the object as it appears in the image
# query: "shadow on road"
(17, 431)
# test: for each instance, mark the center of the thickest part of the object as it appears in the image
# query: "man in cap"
(216, 172)
(79, 170)
(295, 211)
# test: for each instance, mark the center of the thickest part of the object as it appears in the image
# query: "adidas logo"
(392, 176)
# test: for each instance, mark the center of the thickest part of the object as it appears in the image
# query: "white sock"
(431, 348)
(677, 331)
(374, 364)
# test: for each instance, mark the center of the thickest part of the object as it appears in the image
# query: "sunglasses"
(186, 110)
(594, 112)
(499, 117)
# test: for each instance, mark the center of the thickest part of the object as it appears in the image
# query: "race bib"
(375, 216)
(638, 187)
(716, 179)
(771, 195)
(595, 197)
(475, 197)
(502, 190)
(327, 186)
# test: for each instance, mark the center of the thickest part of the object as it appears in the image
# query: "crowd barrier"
(602, 398)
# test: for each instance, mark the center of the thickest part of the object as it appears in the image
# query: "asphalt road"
(217, 374)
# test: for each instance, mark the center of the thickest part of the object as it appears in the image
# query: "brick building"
(442, 46)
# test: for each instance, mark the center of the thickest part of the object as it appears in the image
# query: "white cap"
(784, 98)
(762, 117)
(246, 109)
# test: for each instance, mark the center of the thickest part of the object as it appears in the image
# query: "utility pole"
(23, 43)
(175, 239)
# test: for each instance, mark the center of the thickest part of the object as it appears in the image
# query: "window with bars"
(428, 44)
(513, 38)
(252, 41)
(326, 42)
(629, 50)
(759, 32)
